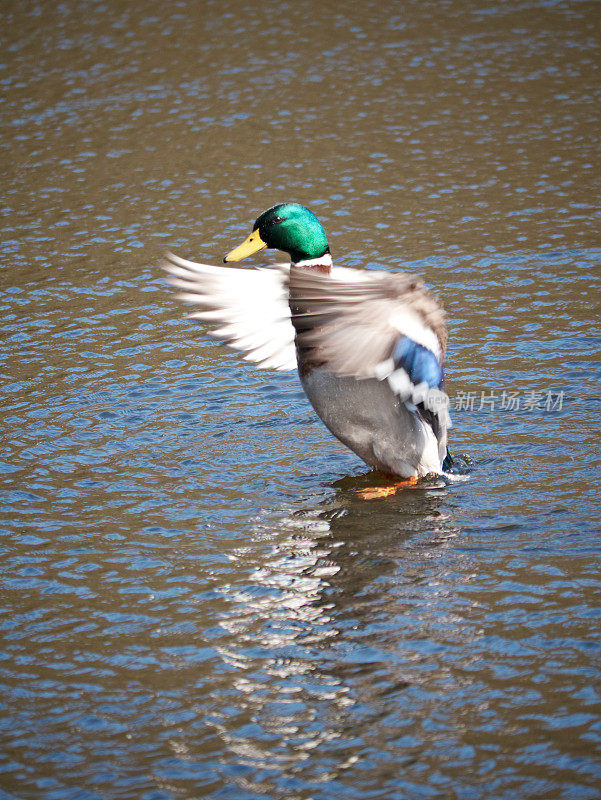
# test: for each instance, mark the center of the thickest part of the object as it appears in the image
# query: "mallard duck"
(368, 345)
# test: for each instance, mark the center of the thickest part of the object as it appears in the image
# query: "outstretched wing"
(248, 306)
(381, 325)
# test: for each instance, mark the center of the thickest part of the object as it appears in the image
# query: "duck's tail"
(448, 461)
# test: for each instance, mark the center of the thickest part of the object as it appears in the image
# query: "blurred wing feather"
(249, 307)
(351, 326)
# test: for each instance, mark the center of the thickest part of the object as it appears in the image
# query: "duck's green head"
(289, 227)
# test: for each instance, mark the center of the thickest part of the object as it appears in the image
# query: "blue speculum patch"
(419, 363)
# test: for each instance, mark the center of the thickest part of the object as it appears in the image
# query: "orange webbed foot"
(382, 492)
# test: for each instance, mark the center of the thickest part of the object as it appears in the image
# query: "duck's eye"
(276, 220)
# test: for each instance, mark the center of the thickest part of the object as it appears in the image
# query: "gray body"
(374, 423)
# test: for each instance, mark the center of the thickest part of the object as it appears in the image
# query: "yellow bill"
(252, 244)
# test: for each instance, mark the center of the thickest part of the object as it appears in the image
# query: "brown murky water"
(195, 603)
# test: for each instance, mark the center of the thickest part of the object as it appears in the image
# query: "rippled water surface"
(195, 601)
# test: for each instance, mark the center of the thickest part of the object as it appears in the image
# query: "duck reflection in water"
(325, 636)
